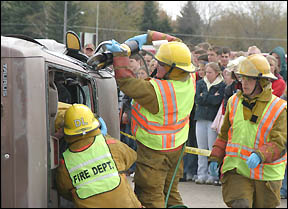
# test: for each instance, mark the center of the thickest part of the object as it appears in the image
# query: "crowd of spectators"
(216, 82)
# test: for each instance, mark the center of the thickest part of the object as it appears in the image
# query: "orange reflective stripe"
(255, 172)
(194, 80)
(169, 101)
(234, 104)
(156, 128)
(267, 122)
(167, 116)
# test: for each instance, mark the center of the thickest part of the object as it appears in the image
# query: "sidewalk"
(203, 196)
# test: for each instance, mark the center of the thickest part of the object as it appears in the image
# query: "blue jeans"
(206, 137)
(283, 190)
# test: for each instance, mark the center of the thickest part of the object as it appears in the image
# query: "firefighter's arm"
(276, 147)
(122, 154)
(152, 36)
(63, 181)
(218, 150)
(140, 90)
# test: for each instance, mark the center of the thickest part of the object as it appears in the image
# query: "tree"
(150, 16)
(56, 18)
(16, 17)
(252, 23)
(189, 22)
(164, 23)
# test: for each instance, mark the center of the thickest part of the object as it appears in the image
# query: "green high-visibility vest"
(244, 137)
(169, 127)
(92, 171)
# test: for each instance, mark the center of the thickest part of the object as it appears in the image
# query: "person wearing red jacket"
(279, 85)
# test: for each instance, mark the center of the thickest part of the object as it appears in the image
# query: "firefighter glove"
(141, 40)
(103, 126)
(253, 160)
(114, 46)
(213, 168)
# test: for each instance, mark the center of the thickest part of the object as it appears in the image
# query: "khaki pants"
(153, 174)
(241, 192)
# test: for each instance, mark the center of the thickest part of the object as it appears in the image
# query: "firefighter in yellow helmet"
(92, 171)
(252, 141)
(160, 115)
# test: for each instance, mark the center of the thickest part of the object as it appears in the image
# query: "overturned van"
(35, 76)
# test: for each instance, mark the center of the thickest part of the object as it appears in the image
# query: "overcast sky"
(173, 7)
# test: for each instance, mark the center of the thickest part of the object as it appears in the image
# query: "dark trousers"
(191, 160)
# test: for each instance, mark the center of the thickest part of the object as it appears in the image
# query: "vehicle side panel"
(24, 135)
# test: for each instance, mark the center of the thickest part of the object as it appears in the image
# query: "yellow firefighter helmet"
(79, 120)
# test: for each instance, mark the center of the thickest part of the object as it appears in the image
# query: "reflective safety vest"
(245, 137)
(168, 128)
(92, 171)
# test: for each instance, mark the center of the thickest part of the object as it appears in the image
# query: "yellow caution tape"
(191, 150)
(197, 151)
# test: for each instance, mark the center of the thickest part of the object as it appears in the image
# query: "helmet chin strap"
(165, 77)
(249, 95)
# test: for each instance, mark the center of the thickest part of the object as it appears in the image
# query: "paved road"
(203, 196)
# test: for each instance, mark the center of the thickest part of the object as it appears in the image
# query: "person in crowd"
(239, 54)
(200, 73)
(279, 85)
(197, 53)
(227, 76)
(161, 133)
(209, 95)
(224, 54)
(213, 54)
(251, 145)
(89, 49)
(147, 57)
(204, 45)
(190, 160)
(253, 50)
(279, 54)
(142, 73)
(152, 66)
(92, 171)
(134, 63)
(125, 126)
(235, 85)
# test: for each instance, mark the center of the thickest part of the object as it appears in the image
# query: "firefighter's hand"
(114, 46)
(213, 168)
(141, 40)
(103, 126)
(60, 133)
(253, 160)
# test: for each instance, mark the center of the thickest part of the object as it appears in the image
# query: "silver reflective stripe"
(261, 171)
(233, 145)
(174, 102)
(244, 156)
(231, 153)
(273, 121)
(173, 140)
(248, 149)
(279, 160)
(97, 179)
(262, 122)
(164, 102)
(164, 141)
(235, 106)
(89, 162)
